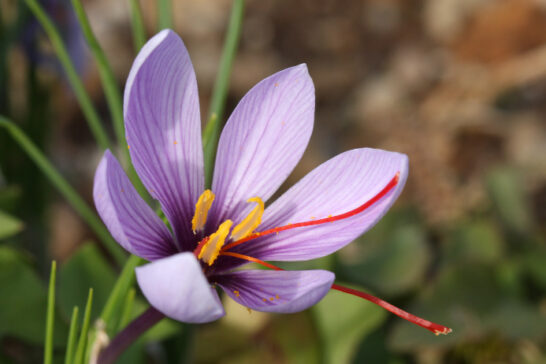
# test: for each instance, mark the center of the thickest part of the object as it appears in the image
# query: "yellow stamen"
(211, 249)
(251, 222)
(202, 208)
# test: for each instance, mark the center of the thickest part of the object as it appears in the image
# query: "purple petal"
(276, 291)
(339, 185)
(177, 287)
(161, 109)
(262, 141)
(129, 219)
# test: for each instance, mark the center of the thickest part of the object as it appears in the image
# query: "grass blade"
(165, 14)
(48, 349)
(111, 92)
(71, 336)
(57, 180)
(127, 309)
(82, 96)
(109, 83)
(137, 25)
(119, 292)
(217, 104)
(82, 342)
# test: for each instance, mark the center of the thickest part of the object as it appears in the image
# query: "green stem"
(137, 25)
(216, 112)
(48, 349)
(83, 98)
(127, 309)
(119, 292)
(165, 14)
(112, 93)
(82, 342)
(57, 180)
(71, 336)
(109, 83)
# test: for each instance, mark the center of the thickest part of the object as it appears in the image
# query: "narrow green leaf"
(81, 207)
(82, 96)
(82, 342)
(219, 94)
(127, 309)
(71, 336)
(48, 349)
(137, 25)
(111, 90)
(123, 284)
(9, 225)
(165, 14)
(210, 128)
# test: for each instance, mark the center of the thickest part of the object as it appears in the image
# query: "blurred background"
(457, 85)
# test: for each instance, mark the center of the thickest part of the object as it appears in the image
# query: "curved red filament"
(431, 326)
(251, 259)
(393, 182)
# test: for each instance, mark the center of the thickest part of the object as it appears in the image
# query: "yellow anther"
(202, 208)
(211, 249)
(251, 222)
(237, 293)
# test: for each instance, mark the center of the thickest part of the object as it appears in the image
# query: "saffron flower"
(215, 231)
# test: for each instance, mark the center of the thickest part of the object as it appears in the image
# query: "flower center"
(213, 246)
(209, 248)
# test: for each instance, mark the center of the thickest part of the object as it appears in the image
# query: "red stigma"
(200, 246)
(393, 182)
(431, 326)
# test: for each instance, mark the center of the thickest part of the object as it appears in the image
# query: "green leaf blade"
(219, 94)
(71, 336)
(48, 349)
(137, 25)
(82, 342)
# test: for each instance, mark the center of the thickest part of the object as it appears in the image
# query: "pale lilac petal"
(276, 291)
(339, 185)
(161, 109)
(129, 219)
(177, 287)
(262, 141)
